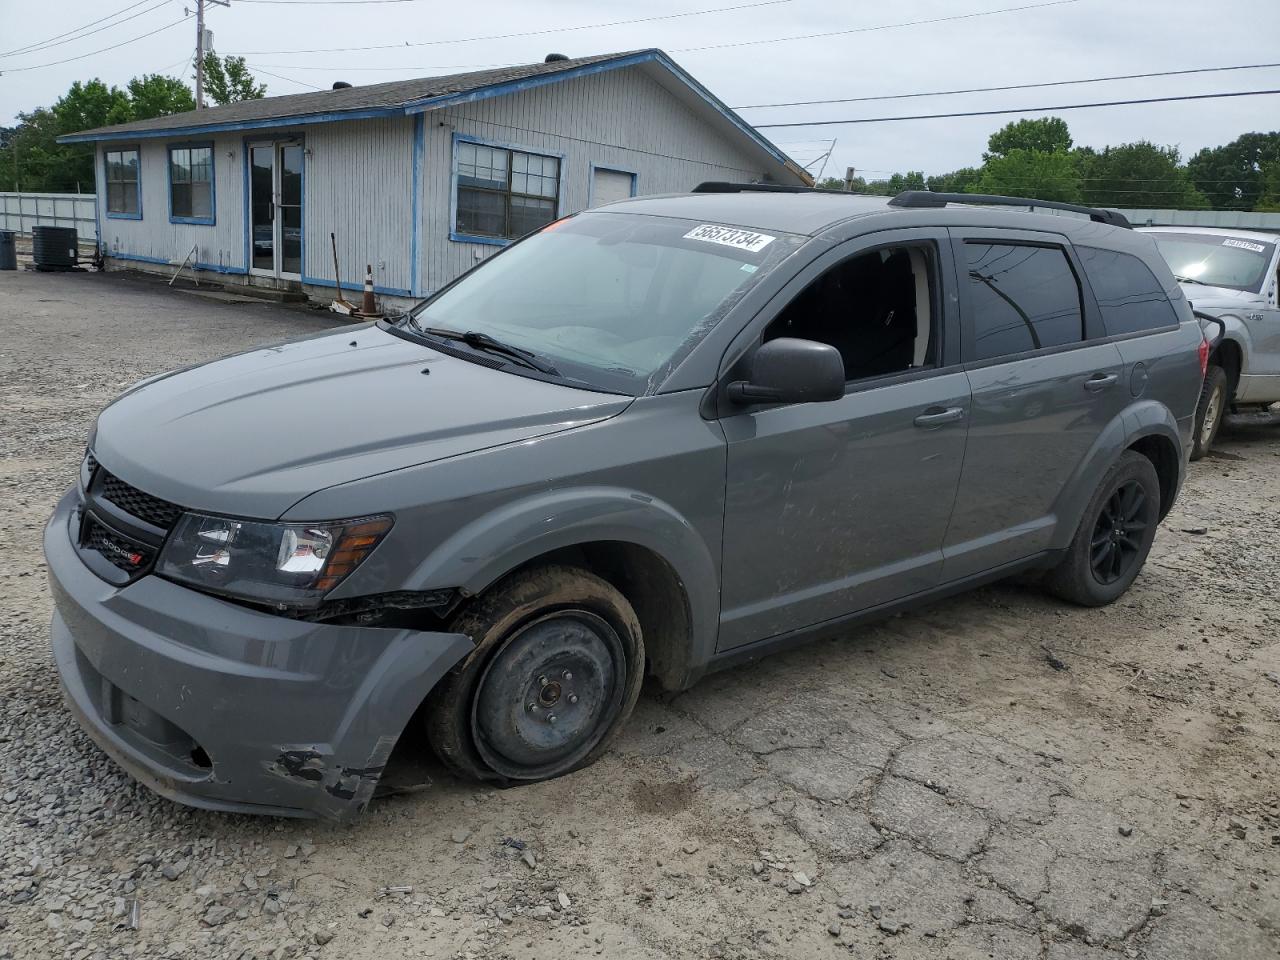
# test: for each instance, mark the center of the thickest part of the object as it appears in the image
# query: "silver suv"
(1234, 276)
(656, 438)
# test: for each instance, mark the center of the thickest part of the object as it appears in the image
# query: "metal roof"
(407, 97)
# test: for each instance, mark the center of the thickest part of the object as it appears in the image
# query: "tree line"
(1037, 158)
(31, 159)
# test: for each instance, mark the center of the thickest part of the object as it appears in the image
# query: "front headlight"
(283, 564)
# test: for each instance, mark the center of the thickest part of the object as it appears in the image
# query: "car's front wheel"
(556, 671)
(1114, 537)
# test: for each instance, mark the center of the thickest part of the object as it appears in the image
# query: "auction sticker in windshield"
(747, 240)
(1232, 242)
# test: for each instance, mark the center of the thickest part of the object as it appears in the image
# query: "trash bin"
(8, 250)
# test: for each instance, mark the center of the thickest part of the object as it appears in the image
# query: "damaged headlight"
(283, 564)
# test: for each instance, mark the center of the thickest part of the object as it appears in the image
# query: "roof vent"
(554, 58)
(341, 85)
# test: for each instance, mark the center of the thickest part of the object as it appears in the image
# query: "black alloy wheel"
(1118, 534)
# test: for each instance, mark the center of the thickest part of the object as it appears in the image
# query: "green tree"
(156, 95)
(228, 80)
(32, 159)
(964, 180)
(1138, 175)
(1233, 176)
(837, 183)
(1270, 200)
(1043, 135)
(1032, 173)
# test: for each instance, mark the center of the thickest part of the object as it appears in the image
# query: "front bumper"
(224, 707)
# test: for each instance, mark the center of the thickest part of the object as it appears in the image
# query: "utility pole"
(201, 37)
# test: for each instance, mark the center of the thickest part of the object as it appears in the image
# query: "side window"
(877, 309)
(1021, 297)
(1129, 296)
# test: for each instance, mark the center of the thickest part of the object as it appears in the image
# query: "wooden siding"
(360, 187)
(622, 119)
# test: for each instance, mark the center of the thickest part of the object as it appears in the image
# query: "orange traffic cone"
(368, 305)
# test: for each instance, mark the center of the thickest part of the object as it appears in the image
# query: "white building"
(420, 178)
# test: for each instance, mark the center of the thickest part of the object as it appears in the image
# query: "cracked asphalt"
(995, 776)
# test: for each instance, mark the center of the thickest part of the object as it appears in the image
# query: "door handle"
(937, 416)
(1100, 381)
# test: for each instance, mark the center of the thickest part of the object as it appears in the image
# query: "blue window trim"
(419, 149)
(454, 234)
(106, 184)
(213, 181)
(591, 178)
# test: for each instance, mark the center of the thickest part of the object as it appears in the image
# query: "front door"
(275, 209)
(837, 507)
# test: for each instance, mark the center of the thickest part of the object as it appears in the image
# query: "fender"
(1238, 332)
(482, 552)
(1142, 418)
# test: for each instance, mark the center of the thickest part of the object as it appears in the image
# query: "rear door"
(1042, 392)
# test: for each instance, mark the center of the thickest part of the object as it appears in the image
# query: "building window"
(122, 184)
(191, 184)
(502, 193)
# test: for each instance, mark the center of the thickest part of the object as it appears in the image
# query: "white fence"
(22, 211)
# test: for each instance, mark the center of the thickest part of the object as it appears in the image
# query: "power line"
(31, 47)
(109, 26)
(527, 33)
(83, 56)
(883, 26)
(991, 113)
(1014, 86)
(286, 79)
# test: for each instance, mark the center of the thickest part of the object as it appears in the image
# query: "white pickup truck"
(1233, 275)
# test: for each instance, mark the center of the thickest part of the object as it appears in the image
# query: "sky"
(1068, 40)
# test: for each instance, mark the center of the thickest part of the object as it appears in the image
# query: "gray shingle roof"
(376, 96)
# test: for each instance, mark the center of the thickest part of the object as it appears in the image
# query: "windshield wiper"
(1191, 280)
(482, 341)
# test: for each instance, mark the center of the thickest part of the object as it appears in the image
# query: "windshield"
(611, 300)
(1216, 260)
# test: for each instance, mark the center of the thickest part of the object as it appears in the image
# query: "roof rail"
(927, 198)
(721, 186)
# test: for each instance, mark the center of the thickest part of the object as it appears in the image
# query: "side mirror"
(788, 370)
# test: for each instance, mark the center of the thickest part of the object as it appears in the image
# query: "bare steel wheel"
(556, 671)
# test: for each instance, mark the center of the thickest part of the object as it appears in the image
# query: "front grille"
(152, 510)
(119, 551)
(90, 462)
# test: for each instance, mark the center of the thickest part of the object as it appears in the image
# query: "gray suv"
(659, 437)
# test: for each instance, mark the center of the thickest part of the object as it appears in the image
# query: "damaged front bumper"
(224, 707)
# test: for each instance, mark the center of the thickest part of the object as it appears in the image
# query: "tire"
(556, 671)
(1210, 409)
(1126, 509)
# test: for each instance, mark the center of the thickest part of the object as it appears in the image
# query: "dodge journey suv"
(656, 438)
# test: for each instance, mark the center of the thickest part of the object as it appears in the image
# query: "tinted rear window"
(1021, 298)
(1129, 295)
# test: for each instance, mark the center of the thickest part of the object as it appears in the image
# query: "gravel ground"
(995, 776)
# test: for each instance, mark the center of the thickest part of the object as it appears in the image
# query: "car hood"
(1216, 299)
(252, 434)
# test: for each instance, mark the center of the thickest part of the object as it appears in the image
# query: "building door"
(275, 209)
(610, 185)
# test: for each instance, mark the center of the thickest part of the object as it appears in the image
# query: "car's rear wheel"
(1114, 537)
(556, 671)
(1209, 411)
